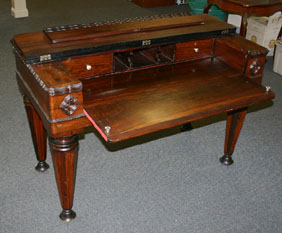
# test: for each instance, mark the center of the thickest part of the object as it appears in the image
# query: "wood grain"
(240, 53)
(64, 153)
(173, 95)
(38, 133)
(194, 49)
(32, 45)
(100, 64)
(163, 83)
(113, 30)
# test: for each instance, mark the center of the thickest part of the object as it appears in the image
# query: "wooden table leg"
(64, 155)
(243, 27)
(39, 136)
(234, 124)
(207, 8)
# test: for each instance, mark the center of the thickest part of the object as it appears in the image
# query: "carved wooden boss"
(133, 77)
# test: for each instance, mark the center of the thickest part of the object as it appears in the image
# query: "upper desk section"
(62, 42)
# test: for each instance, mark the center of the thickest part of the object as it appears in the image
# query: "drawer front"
(193, 49)
(89, 65)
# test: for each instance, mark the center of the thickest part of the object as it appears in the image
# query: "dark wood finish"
(33, 45)
(89, 65)
(194, 49)
(154, 3)
(64, 155)
(56, 125)
(134, 84)
(234, 124)
(246, 8)
(111, 31)
(168, 99)
(145, 57)
(241, 54)
(39, 136)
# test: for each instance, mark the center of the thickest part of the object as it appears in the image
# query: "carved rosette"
(69, 105)
(255, 66)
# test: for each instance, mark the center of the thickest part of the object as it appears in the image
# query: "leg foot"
(42, 166)
(67, 215)
(226, 160)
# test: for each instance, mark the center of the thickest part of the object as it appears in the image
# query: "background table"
(246, 8)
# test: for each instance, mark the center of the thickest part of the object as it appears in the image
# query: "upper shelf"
(117, 30)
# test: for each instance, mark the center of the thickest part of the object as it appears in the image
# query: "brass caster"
(67, 215)
(42, 166)
(226, 160)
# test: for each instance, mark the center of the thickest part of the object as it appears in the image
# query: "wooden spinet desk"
(132, 78)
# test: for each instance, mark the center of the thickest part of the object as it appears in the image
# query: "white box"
(264, 30)
(235, 20)
(277, 67)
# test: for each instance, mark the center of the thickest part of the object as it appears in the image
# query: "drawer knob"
(88, 67)
(107, 129)
(267, 88)
(196, 50)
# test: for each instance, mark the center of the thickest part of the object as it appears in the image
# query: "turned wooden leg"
(234, 124)
(39, 136)
(64, 155)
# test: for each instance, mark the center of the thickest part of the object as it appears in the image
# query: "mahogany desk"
(246, 8)
(130, 78)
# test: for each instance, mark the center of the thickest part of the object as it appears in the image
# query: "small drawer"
(193, 49)
(89, 65)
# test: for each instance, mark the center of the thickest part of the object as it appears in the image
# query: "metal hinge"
(45, 57)
(224, 32)
(146, 42)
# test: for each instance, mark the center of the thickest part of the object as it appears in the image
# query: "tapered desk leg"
(64, 155)
(244, 24)
(234, 124)
(39, 136)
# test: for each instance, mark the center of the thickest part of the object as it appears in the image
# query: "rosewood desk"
(132, 77)
(246, 8)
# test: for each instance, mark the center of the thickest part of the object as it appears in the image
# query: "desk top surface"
(140, 102)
